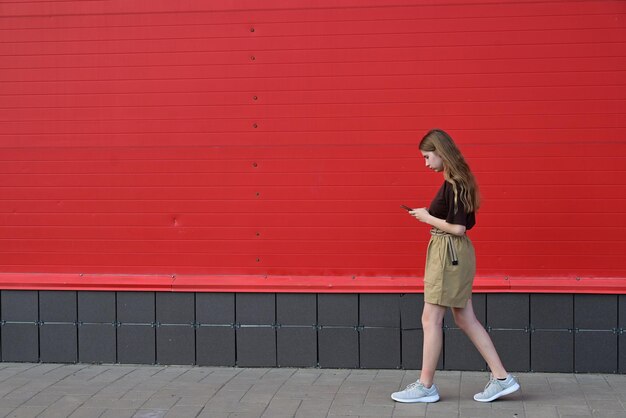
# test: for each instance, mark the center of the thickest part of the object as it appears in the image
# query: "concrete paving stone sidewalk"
(123, 391)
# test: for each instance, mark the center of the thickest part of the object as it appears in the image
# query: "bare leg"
(466, 320)
(432, 321)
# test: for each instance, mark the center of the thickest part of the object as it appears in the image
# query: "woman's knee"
(464, 319)
(432, 318)
(460, 321)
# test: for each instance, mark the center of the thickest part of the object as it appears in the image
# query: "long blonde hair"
(455, 169)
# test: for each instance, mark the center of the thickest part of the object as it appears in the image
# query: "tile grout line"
(277, 390)
(220, 388)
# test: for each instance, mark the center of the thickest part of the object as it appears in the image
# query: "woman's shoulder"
(448, 186)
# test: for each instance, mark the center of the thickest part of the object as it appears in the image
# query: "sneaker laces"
(492, 379)
(413, 385)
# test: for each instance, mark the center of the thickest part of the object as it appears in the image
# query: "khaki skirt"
(447, 283)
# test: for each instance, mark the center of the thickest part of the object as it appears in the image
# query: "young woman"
(450, 269)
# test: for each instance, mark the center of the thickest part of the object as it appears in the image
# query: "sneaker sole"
(424, 399)
(507, 391)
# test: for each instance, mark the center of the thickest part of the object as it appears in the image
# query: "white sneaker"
(416, 392)
(497, 388)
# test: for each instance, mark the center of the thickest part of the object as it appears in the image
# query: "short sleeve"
(461, 216)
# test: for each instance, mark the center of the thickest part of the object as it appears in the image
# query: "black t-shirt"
(442, 207)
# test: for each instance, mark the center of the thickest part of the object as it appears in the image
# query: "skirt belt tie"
(449, 244)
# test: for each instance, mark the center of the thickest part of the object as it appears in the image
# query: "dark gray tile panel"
(297, 347)
(459, 353)
(379, 310)
(20, 342)
(215, 308)
(215, 346)
(622, 311)
(380, 348)
(19, 305)
(96, 307)
(595, 352)
(58, 343)
(552, 351)
(136, 344)
(622, 353)
(338, 309)
(513, 347)
(175, 308)
(256, 308)
(97, 343)
(595, 312)
(552, 311)
(296, 309)
(256, 347)
(509, 311)
(411, 306)
(58, 306)
(338, 348)
(412, 345)
(175, 344)
(136, 307)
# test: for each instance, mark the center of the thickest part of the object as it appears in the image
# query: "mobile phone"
(405, 207)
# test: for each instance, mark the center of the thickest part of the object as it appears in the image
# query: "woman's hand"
(421, 214)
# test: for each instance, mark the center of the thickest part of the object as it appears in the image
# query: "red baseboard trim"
(298, 284)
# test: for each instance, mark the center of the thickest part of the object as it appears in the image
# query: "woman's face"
(432, 160)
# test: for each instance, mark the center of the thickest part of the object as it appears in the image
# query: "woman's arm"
(422, 215)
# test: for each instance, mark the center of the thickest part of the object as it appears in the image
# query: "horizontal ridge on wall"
(298, 284)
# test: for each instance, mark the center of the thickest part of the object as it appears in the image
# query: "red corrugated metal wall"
(279, 137)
